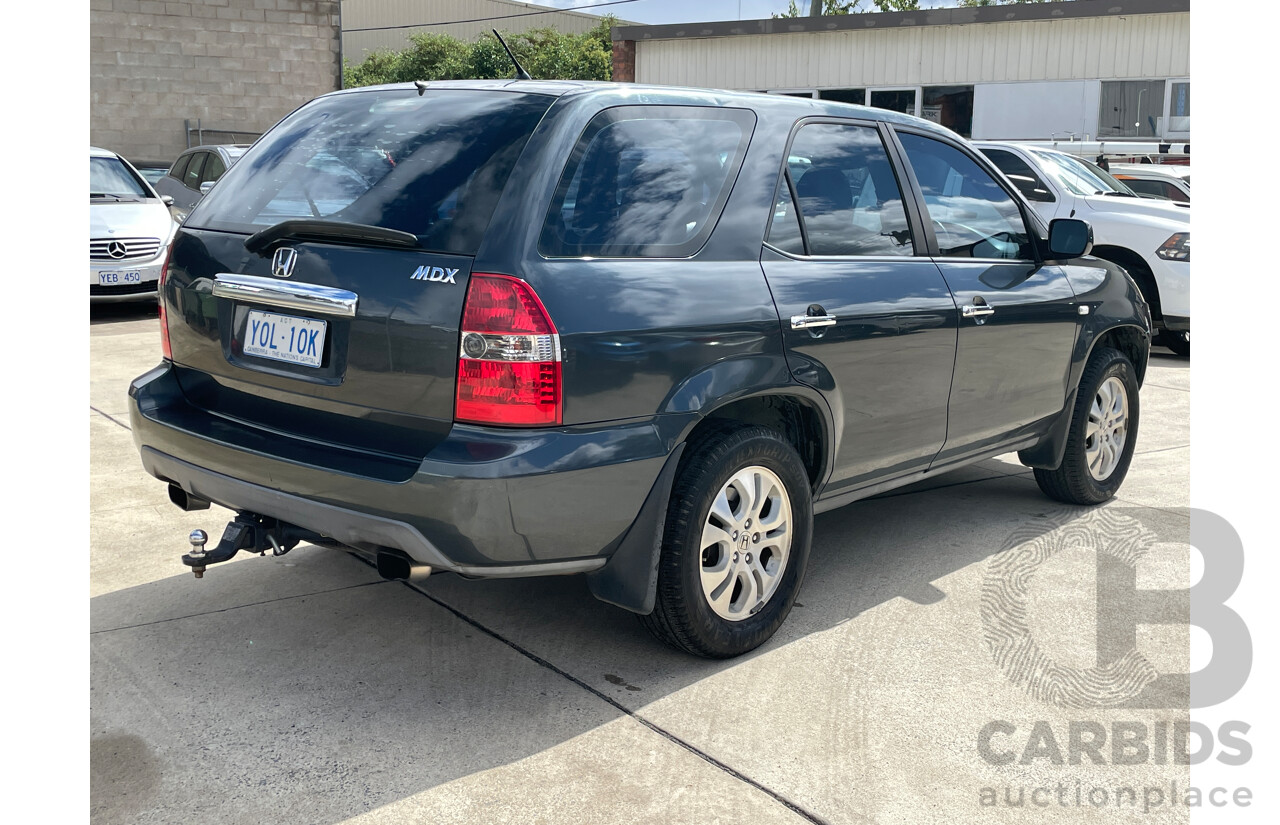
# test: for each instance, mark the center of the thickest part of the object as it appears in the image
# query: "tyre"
(735, 544)
(1179, 342)
(1102, 434)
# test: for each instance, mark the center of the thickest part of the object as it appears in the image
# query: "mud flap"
(630, 579)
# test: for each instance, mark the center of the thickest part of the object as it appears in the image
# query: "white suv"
(130, 229)
(1149, 238)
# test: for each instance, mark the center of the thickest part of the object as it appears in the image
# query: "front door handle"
(979, 311)
(811, 321)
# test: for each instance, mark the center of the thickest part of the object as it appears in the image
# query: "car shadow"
(330, 704)
(115, 313)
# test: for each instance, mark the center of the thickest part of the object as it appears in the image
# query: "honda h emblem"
(282, 262)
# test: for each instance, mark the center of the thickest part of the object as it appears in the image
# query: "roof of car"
(638, 93)
(95, 152)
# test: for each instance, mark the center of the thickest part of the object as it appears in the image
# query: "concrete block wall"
(235, 64)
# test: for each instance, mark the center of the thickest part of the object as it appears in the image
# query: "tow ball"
(246, 531)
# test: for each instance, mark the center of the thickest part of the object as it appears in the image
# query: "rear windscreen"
(432, 165)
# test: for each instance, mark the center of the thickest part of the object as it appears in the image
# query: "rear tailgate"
(381, 380)
(329, 338)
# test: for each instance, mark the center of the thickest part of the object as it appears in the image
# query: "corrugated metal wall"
(1133, 46)
(363, 14)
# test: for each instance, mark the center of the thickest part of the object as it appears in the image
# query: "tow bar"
(246, 531)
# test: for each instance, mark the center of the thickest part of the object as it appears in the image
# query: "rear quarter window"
(646, 181)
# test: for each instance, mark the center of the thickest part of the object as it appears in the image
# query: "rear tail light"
(165, 348)
(509, 359)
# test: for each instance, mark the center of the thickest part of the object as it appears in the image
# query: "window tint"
(433, 165)
(646, 181)
(179, 167)
(972, 215)
(213, 168)
(1020, 173)
(849, 198)
(784, 232)
(191, 179)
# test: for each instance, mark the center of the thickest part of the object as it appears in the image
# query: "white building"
(1099, 68)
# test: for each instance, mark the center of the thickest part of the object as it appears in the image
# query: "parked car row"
(133, 213)
(1157, 180)
(1151, 239)
(130, 229)
(637, 333)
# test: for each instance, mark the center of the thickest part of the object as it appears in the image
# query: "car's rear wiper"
(305, 229)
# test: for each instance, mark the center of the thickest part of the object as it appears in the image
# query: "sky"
(691, 11)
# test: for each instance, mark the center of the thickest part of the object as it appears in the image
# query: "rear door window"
(191, 178)
(850, 201)
(432, 165)
(646, 181)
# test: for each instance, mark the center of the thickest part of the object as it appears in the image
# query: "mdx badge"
(434, 273)
(282, 262)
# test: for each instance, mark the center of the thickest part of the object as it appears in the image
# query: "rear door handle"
(811, 321)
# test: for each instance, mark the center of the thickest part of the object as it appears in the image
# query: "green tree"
(546, 53)
(1003, 2)
(852, 7)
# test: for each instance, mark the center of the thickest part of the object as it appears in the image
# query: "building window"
(949, 106)
(1131, 108)
(895, 100)
(1180, 107)
(858, 96)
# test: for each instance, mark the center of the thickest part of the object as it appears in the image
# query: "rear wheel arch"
(800, 421)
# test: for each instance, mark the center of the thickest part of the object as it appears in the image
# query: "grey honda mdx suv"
(637, 333)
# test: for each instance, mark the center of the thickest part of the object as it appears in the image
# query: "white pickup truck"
(1149, 238)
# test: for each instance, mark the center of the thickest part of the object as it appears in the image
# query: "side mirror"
(167, 200)
(205, 187)
(1069, 238)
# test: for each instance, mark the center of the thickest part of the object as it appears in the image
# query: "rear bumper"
(484, 502)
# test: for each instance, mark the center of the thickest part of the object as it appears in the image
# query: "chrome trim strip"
(304, 297)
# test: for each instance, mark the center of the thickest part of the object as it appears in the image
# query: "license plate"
(132, 276)
(284, 338)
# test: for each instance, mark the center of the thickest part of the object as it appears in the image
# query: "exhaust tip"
(399, 567)
(185, 500)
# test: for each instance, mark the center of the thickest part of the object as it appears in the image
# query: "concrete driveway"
(306, 689)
